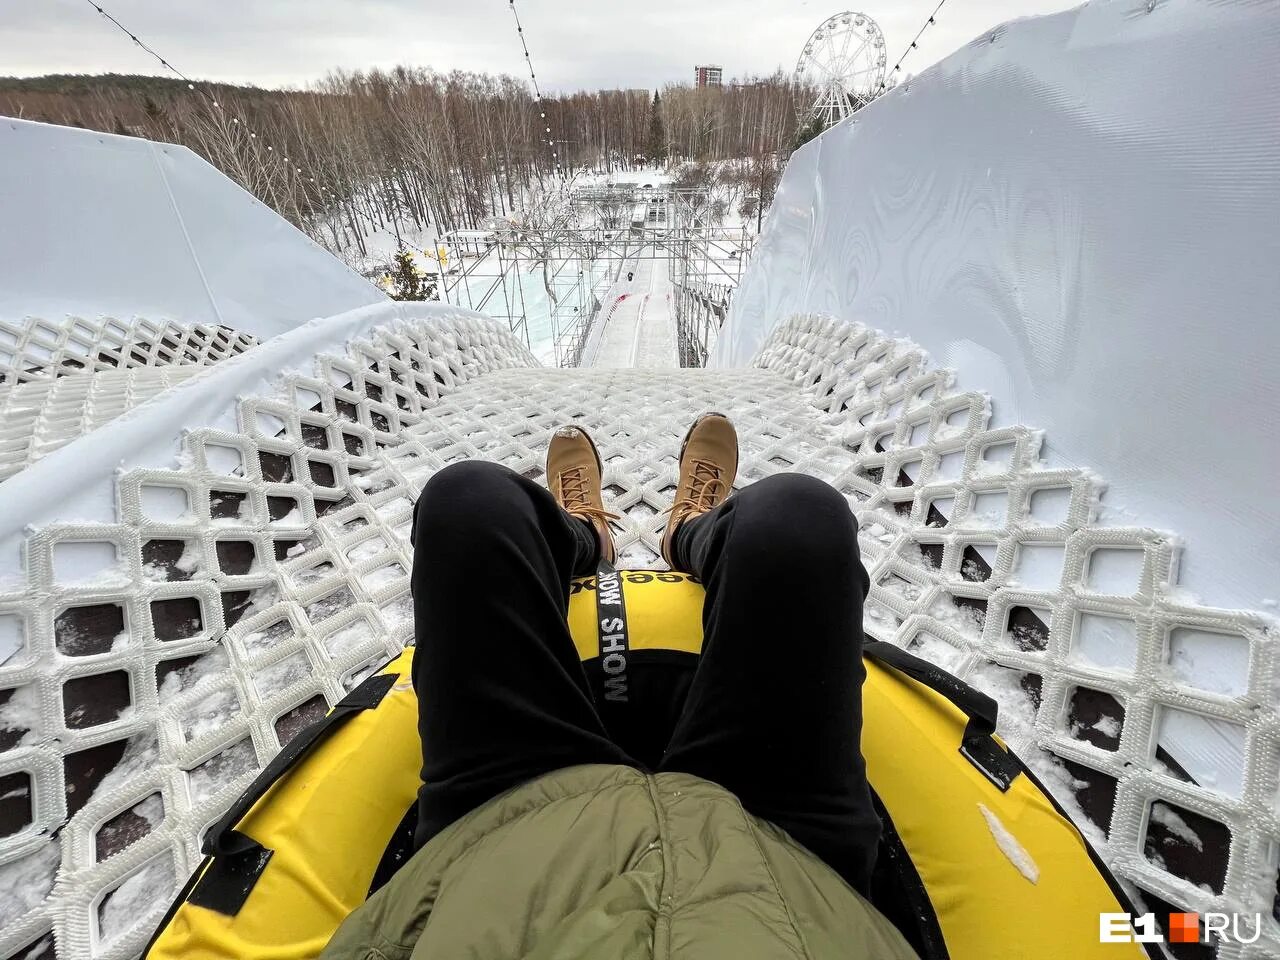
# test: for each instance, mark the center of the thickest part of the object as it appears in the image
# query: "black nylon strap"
(991, 760)
(977, 745)
(611, 628)
(223, 839)
(226, 885)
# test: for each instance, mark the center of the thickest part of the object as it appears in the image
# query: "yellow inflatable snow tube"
(983, 864)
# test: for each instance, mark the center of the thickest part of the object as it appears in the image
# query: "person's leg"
(503, 697)
(775, 710)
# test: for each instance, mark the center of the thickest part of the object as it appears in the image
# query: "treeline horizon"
(409, 148)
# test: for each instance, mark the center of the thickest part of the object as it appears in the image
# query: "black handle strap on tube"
(223, 839)
(234, 860)
(978, 745)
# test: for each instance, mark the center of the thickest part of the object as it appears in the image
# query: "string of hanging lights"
(548, 138)
(304, 176)
(912, 46)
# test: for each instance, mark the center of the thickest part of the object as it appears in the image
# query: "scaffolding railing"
(579, 262)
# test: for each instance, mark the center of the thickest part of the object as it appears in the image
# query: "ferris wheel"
(843, 63)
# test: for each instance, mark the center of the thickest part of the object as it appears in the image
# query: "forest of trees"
(404, 149)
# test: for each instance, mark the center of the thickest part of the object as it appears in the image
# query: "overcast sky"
(575, 44)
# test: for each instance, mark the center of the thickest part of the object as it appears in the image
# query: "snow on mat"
(244, 588)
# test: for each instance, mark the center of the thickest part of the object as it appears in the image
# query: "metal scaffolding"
(586, 250)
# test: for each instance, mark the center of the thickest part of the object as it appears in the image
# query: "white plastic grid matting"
(36, 347)
(242, 592)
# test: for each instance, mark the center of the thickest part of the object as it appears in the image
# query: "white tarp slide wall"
(1080, 215)
(93, 224)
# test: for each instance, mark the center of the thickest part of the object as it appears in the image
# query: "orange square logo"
(1184, 928)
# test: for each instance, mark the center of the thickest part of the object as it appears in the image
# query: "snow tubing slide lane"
(977, 862)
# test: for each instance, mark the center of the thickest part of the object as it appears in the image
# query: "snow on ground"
(383, 244)
(639, 177)
(492, 285)
(642, 329)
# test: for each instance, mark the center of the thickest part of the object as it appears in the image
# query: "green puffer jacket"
(605, 861)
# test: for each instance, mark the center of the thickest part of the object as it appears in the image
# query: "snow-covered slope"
(1080, 214)
(101, 225)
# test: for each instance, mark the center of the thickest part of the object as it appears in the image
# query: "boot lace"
(706, 489)
(575, 496)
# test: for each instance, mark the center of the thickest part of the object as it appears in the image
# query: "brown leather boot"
(573, 477)
(708, 464)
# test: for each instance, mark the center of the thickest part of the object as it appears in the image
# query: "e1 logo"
(1123, 928)
(1182, 928)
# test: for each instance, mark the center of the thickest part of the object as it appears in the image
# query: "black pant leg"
(502, 694)
(775, 709)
